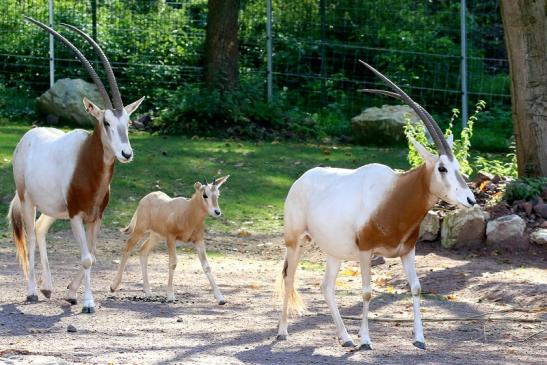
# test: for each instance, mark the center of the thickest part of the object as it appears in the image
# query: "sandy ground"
(129, 329)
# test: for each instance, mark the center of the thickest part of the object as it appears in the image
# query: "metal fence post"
(51, 47)
(323, 55)
(94, 19)
(464, 62)
(269, 48)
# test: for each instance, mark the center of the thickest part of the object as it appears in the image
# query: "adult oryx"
(355, 214)
(67, 176)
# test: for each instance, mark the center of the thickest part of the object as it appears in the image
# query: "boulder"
(429, 229)
(508, 229)
(463, 227)
(539, 236)
(64, 101)
(383, 125)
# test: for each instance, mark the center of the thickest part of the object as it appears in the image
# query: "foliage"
(156, 48)
(241, 113)
(525, 188)
(461, 147)
(500, 167)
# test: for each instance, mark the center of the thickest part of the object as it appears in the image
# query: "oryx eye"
(442, 169)
(204, 196)
(106, 124)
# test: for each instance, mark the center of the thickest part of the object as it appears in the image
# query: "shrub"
(525, 188)
(242, 113)
(460, 147)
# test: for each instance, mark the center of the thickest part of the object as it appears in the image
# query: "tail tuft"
(15, 218)
(295, 304)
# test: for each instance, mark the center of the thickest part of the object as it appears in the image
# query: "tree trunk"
(525, 28)
(221, 45)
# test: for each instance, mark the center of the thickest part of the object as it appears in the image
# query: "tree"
(221, 45)
(525, 26)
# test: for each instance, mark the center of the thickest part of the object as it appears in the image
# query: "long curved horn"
(205, 179)
(81, 57)
(438, 133)
(116, 96)
(214, 181)
(429, 122)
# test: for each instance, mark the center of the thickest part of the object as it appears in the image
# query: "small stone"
(463, 226)
(541, 210)
(483, 176)
(180, 320)
(71, 328)
(505, 229)
(527, 207)
(429, 228)
(539, 236)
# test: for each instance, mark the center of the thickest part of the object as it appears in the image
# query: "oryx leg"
(43, 224)
(365, 260)
(328, 287)
(200, 249)
(131, 241)
(172, 249)
(91, 236)
(409, 265)
(28, 211)
(144, 252)
(78, 230)
(290, 295)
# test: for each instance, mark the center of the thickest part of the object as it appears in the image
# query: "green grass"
(261, 174)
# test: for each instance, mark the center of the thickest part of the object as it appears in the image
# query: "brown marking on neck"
(89, 188)
(397, 219)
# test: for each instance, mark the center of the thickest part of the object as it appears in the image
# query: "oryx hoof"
(281, 338)
(365, 346)
(72, 301)
(112, 290)
(47, 293)
(419, 344)
(348, 343)
(222, 302)
(32, 298)
(88, 310)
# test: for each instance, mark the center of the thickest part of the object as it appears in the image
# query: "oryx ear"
(221, 181)
(133, 106)
(93, 109)
(426, 155)
(450, 140)
(197, 185)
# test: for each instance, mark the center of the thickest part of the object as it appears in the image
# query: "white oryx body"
(310, 204)
(41, 165)
(67, 176)
(372, 210)
(172, 219)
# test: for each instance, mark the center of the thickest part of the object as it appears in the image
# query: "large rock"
(508, 230)
(463, 227)
(429, 229)
(539, 236)
(64, 101)
(383, 125)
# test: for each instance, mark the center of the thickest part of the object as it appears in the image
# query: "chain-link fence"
(157, 45)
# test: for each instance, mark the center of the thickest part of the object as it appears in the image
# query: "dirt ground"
(127, 329)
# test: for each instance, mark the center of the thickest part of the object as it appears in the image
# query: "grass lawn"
(261, 174)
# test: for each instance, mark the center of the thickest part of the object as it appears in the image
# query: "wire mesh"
(158, 45)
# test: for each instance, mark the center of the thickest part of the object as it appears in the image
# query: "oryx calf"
(172, 219)
(67, 176)
(355, 214)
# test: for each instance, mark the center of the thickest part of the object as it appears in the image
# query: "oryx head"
(113, 121)
(210, 192)
(446, 182)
